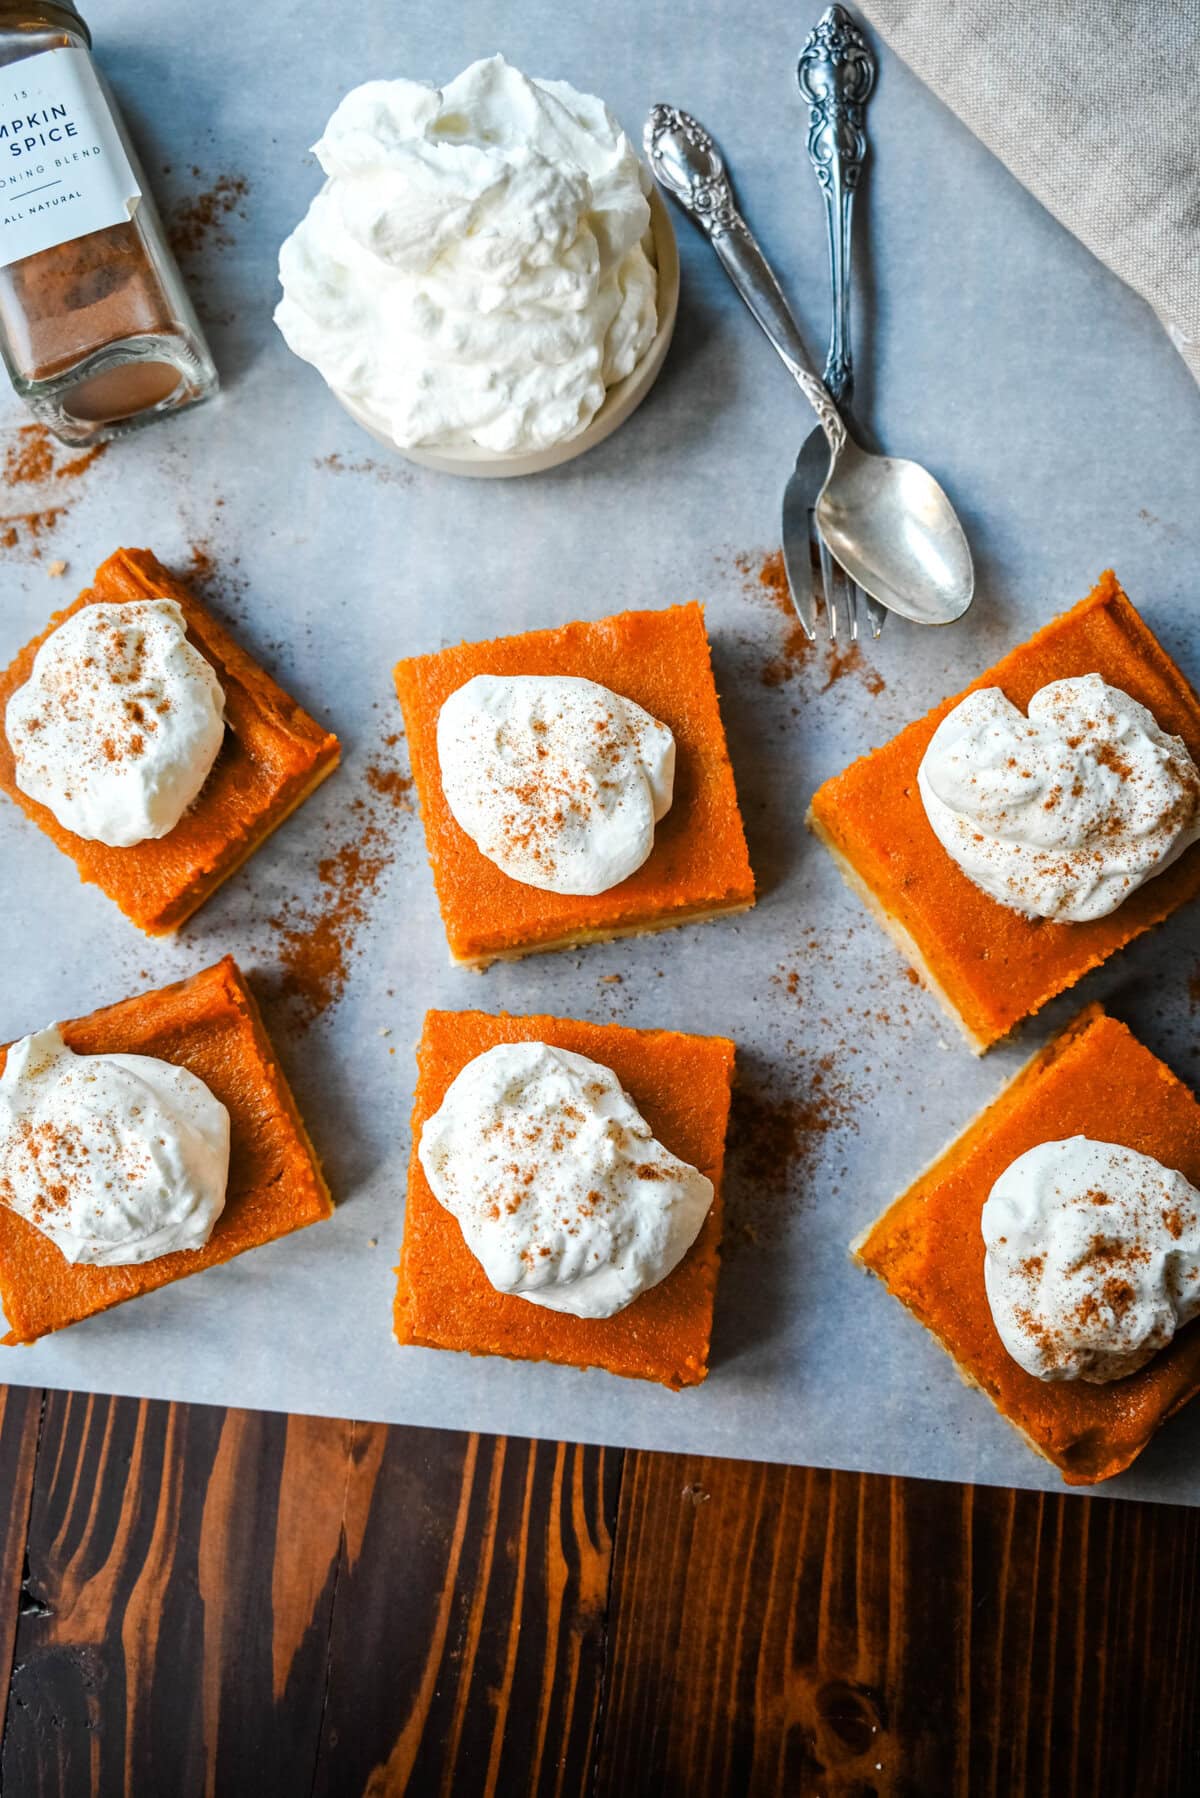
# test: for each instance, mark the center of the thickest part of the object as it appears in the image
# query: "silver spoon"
(886, 521)
(836, 73)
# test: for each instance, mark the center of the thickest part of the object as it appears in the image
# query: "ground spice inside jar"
(79, 297)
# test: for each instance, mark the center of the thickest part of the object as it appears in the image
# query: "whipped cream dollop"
(557, 780)
(1093, 1258)
(563, 1194)
(474, 269)
(116, 1158)
(119, 723)
(1063, 813)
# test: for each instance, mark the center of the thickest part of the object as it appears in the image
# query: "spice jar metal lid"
(26, 13)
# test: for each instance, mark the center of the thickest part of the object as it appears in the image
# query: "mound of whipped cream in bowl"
(477, 280)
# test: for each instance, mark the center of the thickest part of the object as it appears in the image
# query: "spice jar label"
(64, 170)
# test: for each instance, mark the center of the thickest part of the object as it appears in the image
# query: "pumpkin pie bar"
(681, 1085)
(698, 867)
(273, 755)
(988, 964)
(211, 1025)
(1094, 1080)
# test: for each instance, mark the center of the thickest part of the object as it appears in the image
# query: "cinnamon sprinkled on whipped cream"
(119, 724)
(558, 781)
(563, 1194)
(1093, 1258)
(118, 1159)
(1066, 812)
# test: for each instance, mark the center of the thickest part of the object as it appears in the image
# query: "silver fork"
(836, 74)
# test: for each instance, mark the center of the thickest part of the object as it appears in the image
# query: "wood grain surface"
(228, 1602)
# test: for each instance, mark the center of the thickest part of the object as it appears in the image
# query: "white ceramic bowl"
(619, 401)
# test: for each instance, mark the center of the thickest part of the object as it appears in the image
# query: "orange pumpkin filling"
(272, 757)
(681, 1086)
(1096, 1080)
(698, 867)
(988, 964)
(210, 1024)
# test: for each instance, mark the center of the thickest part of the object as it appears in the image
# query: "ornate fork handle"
(836, 73)
(688, 164)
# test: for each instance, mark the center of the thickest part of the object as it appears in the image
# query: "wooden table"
(231, 1602)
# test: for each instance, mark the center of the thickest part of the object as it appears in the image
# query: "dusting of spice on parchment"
(200, 226)
(40, 477)
(315, 935)
(787, 1115)
(216, 576)
(621, 994)
(383, 472)
(777, 1134)
(849, 967)
(764, 578)
(203, 220)
(306, 944)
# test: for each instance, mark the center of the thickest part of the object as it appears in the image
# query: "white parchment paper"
(991, 346)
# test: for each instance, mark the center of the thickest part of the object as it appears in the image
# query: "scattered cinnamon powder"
(392, 785)
(203, 219)
(382, 472)
(216, 576)
(22, 530)
(870, 992)
(614, 992)
(316, 940)
(789, 980)
(37, 456)
(199, 224)
(765, 578)
(775, 1138)
(34, 459)
(852, 661)
(316, 935)
(768, 578)
(202, 565)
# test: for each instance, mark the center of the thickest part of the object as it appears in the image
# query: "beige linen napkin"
(1093, 105)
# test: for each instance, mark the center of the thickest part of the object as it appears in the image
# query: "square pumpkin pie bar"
(1094, 1081)
(680, 1086)
(989, 963)
(210, 1026)
(263, 755)
(582, 767)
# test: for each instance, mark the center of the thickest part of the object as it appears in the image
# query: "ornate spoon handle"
(686, 161)
(836, 73)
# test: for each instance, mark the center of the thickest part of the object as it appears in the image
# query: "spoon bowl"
(892, 528)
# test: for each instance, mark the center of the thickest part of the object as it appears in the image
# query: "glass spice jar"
(96, 330)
